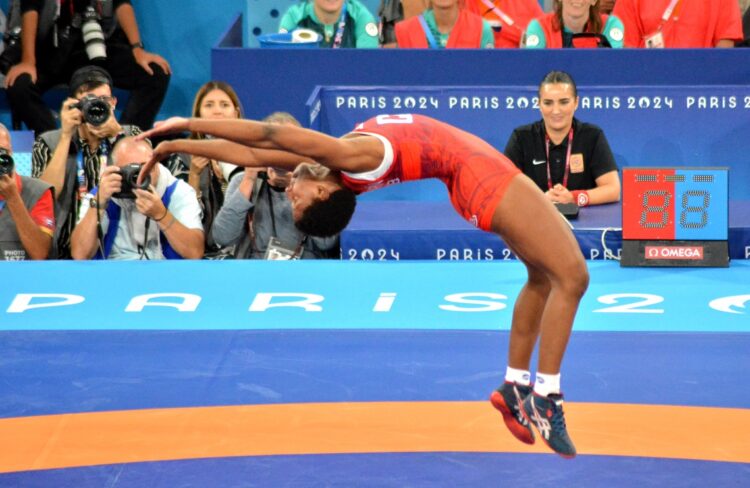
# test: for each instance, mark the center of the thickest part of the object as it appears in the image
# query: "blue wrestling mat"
(255, 373)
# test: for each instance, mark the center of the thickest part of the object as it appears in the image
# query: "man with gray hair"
(119, 219)
(27, 211)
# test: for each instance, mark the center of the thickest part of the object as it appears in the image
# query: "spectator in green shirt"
(341, 23)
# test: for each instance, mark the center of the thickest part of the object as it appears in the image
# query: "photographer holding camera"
(159, 219)
(58, 36)
(27, 220)
(71, 158)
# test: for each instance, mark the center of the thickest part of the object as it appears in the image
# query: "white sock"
(518, 376)
(547, 384)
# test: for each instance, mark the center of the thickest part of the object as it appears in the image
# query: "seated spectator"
(445, 24)
(52, 47)
(122, 212)
(257, 215)
(70, 158)
(209, 178)
(391, 12)
(568, 160)
(342, 23)
(508, 18)
(27, 210)
(574, 23)
(680, 23)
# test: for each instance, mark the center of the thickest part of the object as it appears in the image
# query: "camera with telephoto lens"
(93, 36)
(6, 162)
(95, 110)
(11, 55)
(130, 181)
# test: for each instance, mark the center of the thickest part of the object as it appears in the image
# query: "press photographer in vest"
(27, 220)
(568, 159)
(71, 158)
(120, 219)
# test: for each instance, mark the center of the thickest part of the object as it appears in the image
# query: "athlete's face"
(306, 187)
(216, 104)
(558, 104)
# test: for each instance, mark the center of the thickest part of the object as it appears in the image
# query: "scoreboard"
(675, 217)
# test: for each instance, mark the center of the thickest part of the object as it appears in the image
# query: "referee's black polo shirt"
(526, 148)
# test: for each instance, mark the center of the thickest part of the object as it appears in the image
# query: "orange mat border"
(88, 439)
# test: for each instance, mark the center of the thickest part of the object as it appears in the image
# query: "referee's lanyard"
(567, 160)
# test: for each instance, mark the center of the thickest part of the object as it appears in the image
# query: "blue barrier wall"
(284, 79)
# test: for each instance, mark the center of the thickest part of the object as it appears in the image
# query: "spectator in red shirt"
(27, 215)
(680, 23)
(508, 18)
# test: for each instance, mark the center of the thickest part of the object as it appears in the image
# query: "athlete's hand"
(170, 126)
(160, 152)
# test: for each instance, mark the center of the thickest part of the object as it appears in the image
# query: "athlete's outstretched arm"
(351, 154)
(230, 152)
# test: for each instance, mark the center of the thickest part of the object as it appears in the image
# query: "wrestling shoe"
(508, 400)
(546, 413)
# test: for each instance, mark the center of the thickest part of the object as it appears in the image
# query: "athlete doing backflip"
(485, 188)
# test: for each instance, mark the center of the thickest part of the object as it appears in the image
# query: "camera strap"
(339, 36)
(81, 176)
(276, 249)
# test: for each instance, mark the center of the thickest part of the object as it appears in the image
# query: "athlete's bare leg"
(527, 317)
(534, 229)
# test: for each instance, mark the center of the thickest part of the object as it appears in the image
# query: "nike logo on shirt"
(536, 162)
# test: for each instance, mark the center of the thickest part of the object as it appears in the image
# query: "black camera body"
(130, 181)
(95, 110)
(6, 162)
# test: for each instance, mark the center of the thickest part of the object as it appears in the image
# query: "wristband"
(581, 197)
(166, 211)
(136, 45)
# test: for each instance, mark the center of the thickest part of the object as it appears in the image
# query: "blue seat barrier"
(433, 230)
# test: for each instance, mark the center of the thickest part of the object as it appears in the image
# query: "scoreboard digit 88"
(671, 208)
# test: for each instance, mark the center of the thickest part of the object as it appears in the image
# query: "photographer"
(256, 216)
(59, 36)
(27, 220)
(71, 158)
(160, 219)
